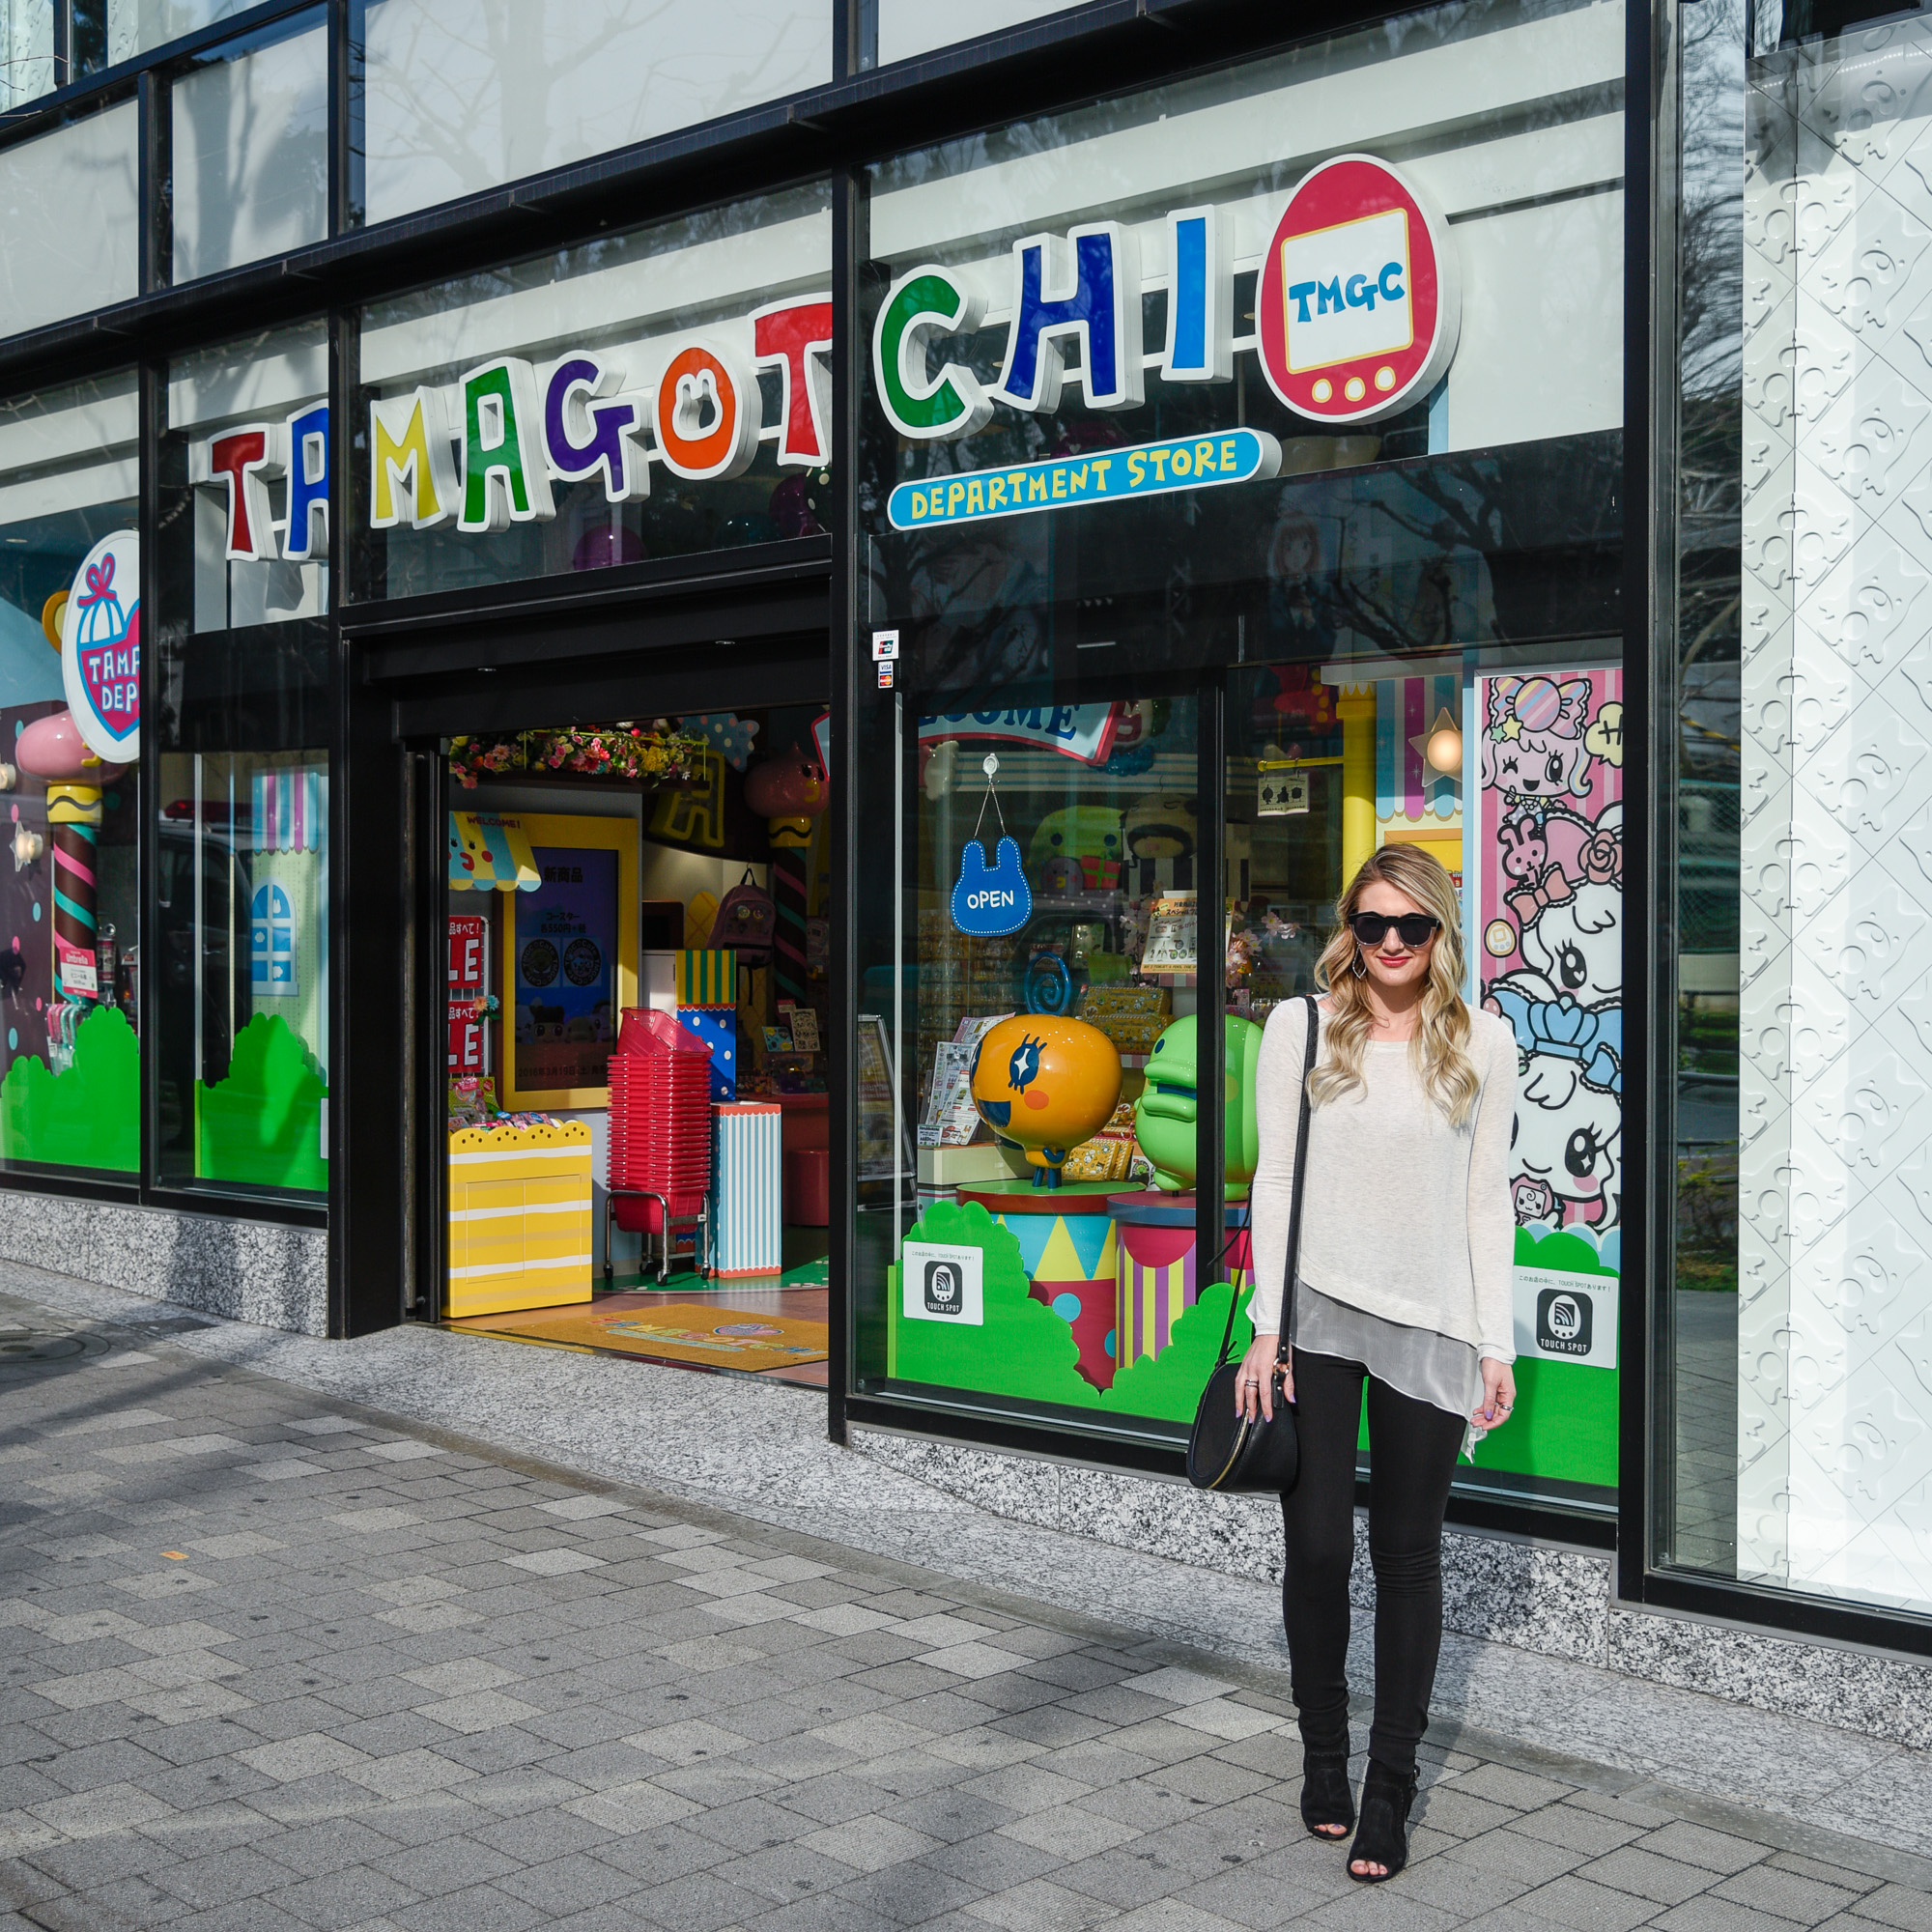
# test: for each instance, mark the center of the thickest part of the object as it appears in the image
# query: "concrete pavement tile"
(698, 1902)
(308, 1755)
(108, 1808)
(870, 1844)
(222, 1877)
(1037, 1905)
(1699, 1845)
(1574, 1900)
(1069, 1831)
(1710, 1914)
(479, 1907)
(1898, 1906)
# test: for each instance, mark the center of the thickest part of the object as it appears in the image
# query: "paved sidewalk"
(267, 1661)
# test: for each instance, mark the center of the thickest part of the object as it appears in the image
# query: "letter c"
(1391, 270)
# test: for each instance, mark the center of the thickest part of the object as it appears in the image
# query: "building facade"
(1139, 460)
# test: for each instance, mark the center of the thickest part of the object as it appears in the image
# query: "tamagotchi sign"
(100, 649)
(1360, 294)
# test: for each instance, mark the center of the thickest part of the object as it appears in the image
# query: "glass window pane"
(251, 155)
(702, 343)
(909, 27)
(68, 210)
(1101, 442)
(135, 27)
(253, 427)
(71, 949)
(26, 52)
(242, 905)
(241, 767)
(1799, 1408)
(1054, 1058)
(468, 95)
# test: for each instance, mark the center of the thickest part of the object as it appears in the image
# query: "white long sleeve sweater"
(1406, 1217)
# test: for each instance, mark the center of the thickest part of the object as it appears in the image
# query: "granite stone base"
(246, 1270)
(1538, 1597)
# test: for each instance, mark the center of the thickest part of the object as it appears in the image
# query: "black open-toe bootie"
(1382, 1836)
(1325, 1796)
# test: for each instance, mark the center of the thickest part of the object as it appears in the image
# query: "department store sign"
(1357, 311)
(488, 450)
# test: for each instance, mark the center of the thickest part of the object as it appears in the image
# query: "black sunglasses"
(1412, 929)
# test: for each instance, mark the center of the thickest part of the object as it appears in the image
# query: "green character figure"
(1076, 850)
(1165, 1114)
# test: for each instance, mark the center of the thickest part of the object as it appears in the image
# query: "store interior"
(638, 1018)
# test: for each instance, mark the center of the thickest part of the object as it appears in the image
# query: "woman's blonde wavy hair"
(1439, 1046)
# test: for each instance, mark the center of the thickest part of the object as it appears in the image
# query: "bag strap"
(1300, 1176)
(1295, 1205)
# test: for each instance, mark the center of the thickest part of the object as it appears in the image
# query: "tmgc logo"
(1360, 298)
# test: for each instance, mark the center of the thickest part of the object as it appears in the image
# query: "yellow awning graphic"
(489, 853)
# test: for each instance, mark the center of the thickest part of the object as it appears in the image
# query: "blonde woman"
(1403, 1290)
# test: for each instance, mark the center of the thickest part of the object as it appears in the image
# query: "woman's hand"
(1255, 1383)
(1498, 1394)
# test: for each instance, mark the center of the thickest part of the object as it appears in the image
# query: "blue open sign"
(987, 903)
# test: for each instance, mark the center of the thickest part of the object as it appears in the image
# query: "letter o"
(1182, 462)
(727, 448)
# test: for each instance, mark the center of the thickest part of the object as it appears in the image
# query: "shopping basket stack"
(660, 1123)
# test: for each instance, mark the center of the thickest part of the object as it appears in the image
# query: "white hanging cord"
(991, 767)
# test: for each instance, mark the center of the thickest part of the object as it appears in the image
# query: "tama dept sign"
(100, 649)
(1360, 295)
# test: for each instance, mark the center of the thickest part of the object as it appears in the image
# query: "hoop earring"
(1361, 966)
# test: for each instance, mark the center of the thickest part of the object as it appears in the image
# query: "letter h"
(1094, 300)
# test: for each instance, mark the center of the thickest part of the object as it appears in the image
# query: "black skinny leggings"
(1412, 1448)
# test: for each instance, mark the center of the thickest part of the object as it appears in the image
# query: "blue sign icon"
(990, 903)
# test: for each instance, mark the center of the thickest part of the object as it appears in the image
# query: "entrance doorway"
(637, 1010)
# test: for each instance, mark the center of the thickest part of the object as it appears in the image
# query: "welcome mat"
(676, 1331)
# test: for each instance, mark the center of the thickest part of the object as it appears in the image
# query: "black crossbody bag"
(1226, 1451)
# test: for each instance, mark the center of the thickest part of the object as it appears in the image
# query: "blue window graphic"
(271, 943)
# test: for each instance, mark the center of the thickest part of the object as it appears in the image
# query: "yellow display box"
(519, 1218)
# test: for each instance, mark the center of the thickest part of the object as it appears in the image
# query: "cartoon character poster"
(1549, 941)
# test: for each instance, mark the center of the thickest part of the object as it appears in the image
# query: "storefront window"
(1162, 459)
(1794, 1376)
(69, 206)
(71, 951)
(251, 151)
(651, 395)
(241, 775)
(461, 100)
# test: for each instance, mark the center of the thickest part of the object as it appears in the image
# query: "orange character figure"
(1045, 1085)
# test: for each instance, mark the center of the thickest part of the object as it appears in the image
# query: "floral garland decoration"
(654, 754)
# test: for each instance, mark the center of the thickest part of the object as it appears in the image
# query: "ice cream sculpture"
(1045, 1085)
(53, 750)
(1165, 1114)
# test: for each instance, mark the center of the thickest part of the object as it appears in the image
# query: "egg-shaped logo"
(100, 649)
(1360, 295)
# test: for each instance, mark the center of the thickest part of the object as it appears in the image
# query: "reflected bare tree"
(463, 97)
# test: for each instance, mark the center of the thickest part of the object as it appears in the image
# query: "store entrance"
(638, 1009)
